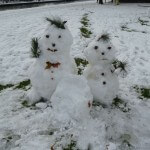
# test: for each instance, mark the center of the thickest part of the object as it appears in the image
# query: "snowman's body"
(103, 83)
(53, 64)
(100, 73)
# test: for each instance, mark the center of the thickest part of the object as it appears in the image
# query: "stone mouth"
(52, 50)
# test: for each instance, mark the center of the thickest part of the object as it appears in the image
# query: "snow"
(31, 127)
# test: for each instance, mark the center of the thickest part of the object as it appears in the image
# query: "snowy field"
(124, 127)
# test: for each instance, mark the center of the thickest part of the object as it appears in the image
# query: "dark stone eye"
(109, 48)
(47, 36)
(59, 36)
(102, 74)
(96, 47)
(103, 53)
(104, 82)
(53, 44)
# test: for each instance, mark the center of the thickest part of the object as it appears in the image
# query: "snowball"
(72, 99)
(41, 105)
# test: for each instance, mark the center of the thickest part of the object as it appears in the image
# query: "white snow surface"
(25, 128)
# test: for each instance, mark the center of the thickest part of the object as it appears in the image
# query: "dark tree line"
(100, 1)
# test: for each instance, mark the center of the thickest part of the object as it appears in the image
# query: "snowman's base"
(33, 97)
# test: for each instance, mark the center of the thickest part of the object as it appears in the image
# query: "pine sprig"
(57, 22)
(35, 52)
(119, 64)
(104, 37)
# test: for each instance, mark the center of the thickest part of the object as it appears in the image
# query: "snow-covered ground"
(32, 128)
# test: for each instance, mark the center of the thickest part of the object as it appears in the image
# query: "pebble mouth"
(52, 50)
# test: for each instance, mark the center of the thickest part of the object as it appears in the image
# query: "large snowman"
(100, 73)
(53, 60)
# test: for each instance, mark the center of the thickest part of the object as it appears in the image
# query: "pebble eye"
(96, 47)
(104, 82)
(102, 74)
(47, 36)
(109, 48)
(59, 36)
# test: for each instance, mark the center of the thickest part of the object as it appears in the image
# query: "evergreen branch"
(104, 37)
(35, 48)
(119, 64)
(57, 22)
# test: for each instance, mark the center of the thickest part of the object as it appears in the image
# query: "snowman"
(53, 61)
(100, 73)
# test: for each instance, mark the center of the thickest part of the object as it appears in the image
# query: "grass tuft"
(2, 87)
(25, 103)
(120, 104)
(23, 85)
(125, 28)
(143, 92)
(96, 103)
(120, 64)
(85, 32)
(85, 20)
(81, 64)
(71, 146)
(143, 22)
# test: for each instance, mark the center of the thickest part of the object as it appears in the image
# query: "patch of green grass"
(23, 85)
(81, 64)
(120, 104)
(142, 91)
(125, 144)
(96, 103)
(85, 23)
(143, 22)
(71, 146)
(125, 28)
(81, 61)
(2, 87)
(84, 20)
(25, 103)
(85, 32)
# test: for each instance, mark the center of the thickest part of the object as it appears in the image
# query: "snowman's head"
(57, 38)
(100, 51)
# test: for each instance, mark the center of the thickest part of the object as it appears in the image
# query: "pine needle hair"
(57, 22)
(104, 37)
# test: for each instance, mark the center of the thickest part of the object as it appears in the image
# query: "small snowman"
(53, 61)
(100, 73)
